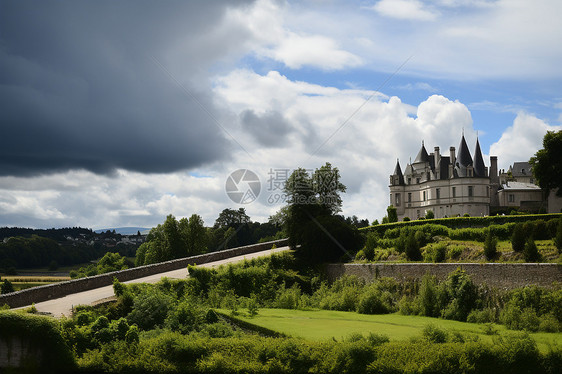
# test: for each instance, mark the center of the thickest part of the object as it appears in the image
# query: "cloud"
(405, 9)
(521, 141)
(84, 90)
(272, 39)
(418, 86)
(269, 129)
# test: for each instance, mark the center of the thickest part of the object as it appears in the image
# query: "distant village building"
(458, 184)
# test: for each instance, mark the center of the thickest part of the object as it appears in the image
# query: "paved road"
(63, 305)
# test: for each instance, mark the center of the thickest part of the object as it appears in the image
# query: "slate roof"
(422, 155)
(521, 169)
(479, 168)
(398, 172)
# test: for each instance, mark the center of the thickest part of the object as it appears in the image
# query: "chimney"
(436, 155)
(452, 156)
(494, 179)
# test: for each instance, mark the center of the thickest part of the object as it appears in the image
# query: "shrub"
(436, 253)
(412, 247)
(462, 295)
(434, 334)
(540, 231)
(558, 237)
(549, 323)
(510, 316)
(487, 315)
(6, 287)
(428, 297)
(370, 302)
(490, 246)
(529, 320)
(150, 309)
(518, 238)
(406, 219)
(429, 214)
(530, 252)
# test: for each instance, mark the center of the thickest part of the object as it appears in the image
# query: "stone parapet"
(57, 290)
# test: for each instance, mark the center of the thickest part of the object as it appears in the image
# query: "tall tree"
(314, 231)
(547, 163)
(196, 235)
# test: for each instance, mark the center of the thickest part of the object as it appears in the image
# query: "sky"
(120, 113)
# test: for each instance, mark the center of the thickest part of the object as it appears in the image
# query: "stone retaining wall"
(506, 276)
(57, 290)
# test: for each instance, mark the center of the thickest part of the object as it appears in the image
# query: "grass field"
(21, 282)
(327, 324)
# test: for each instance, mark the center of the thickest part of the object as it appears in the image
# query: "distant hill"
(126, 230)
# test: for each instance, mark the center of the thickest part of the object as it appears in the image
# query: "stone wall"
(506, 276)
(16, 351)
(57, 290)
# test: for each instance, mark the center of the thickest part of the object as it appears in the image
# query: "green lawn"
(327, 324)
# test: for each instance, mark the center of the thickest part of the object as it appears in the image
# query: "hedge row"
(463, 222)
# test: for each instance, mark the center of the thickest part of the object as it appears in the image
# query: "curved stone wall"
(57, 290)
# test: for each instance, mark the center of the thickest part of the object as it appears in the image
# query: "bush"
(370, 302)
(412, 247)
(436, 253)
(549, 323)
(490, 246)
(434, 334)
(531, 252)
(150, 309)
(487, 315)
(558, 237)
(429, 214)
(518, 238)
(6, 287)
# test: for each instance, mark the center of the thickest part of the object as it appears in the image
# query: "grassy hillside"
(321, 325)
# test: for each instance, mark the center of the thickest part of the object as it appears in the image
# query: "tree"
(232, 218)
(6, 287)
(392, 215)
(531, 252)
(518, 238)
(547, 163)
(490, 246)
(429, 214)
(558, 237)
(196, 235)
(315, 232)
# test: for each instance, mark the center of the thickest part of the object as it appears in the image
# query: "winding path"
(63, 306)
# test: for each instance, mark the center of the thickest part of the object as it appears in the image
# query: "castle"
(459, 184)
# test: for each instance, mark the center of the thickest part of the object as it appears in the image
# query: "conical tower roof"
(463, 156)
(398, 173)
(479, 168)
(422, 155)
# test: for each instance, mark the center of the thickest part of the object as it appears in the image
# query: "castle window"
(437, 193)
(454, 192)
(470, 191)
(397, 198)
(409, 197)
(487, 191)
(423, 195)
(418, 180)
(511, 198)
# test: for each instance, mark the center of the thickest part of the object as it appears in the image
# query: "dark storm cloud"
(81, 85)
(269, 129)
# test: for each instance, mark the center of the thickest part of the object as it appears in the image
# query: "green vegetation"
(108, 263)
(311, 325)
(315, 232)
(40, 333)
(547, 163)
(437, 243)
(174, 325)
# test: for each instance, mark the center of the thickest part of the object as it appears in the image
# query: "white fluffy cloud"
(272, 39)
(405, 9)
(521, 141)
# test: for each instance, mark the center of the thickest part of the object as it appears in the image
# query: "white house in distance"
(459, 184)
